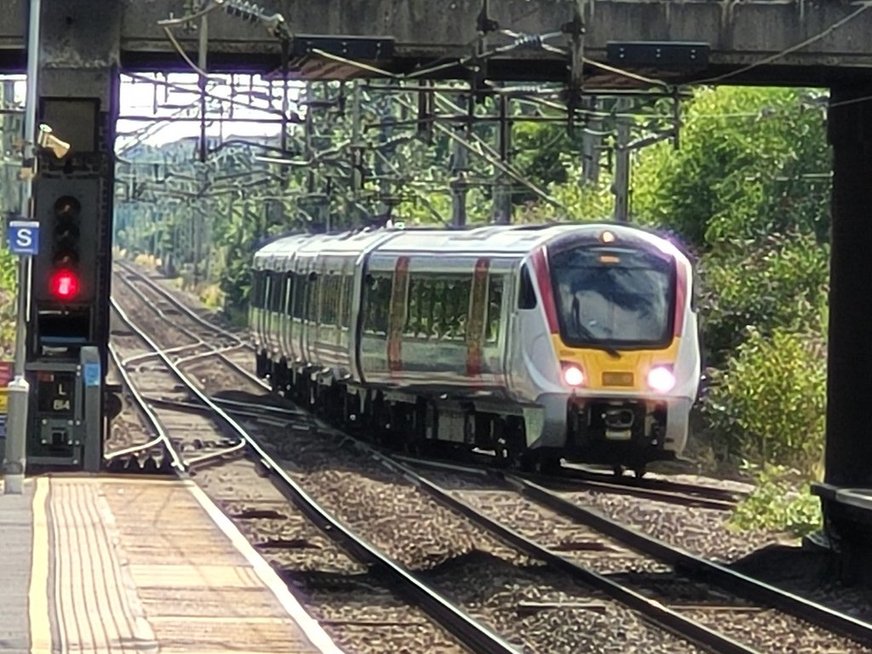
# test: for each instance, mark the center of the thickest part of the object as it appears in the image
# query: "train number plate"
(617, 379)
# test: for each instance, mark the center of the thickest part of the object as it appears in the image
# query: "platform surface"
(115, 564)
(16, 526)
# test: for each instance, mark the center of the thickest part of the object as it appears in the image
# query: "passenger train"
(535, 343)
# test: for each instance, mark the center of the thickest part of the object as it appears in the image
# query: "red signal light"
(64, 284)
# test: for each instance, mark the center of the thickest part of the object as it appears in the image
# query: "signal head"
(67, 207)
(64, 284)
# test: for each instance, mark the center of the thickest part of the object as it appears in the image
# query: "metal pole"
(19, 390)
(459, 184)
(502, 198)
(201, 83)
(621, 187)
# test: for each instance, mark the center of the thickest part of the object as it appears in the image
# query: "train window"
(275, 295)
(300, 286)
(347, 293)
(327, 313)
(418, 311)
(455, 303)
(437, 307)
(289, 293)
(313, 288)
(376, 301)
(526, 293)
(336, 298)
(330, 297)
(257, 289)
(494, 308)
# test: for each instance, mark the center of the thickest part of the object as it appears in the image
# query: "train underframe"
(619, 433)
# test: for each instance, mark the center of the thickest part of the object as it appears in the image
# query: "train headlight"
(573, 375)
(661, 379)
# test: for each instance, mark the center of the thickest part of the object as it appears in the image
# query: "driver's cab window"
(526, 292)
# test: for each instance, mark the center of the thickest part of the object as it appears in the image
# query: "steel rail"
(653, 483)
(162, 437)
(190, 313)
(731, 580)
(575, 484)
(236, 408)
(196, 318)
(652, 610)
(470, 632)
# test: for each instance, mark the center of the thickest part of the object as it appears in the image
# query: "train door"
(530, 344)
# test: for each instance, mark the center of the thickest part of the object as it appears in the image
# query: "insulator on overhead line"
(245, 10)
(528, 41)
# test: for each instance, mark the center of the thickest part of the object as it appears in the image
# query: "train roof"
(512, 241)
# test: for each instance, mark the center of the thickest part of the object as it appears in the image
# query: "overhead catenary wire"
(493, 159)
(214, 79)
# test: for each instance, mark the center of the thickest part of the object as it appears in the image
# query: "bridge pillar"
(849, 386)
(846, 494)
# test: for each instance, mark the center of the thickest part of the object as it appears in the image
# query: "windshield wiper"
(589, 335)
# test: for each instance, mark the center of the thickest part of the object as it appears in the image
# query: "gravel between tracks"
(767, 630)
(776, 558)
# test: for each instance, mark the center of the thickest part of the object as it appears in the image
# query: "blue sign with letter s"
(23, 236)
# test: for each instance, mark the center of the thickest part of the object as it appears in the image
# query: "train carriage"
(537, 343)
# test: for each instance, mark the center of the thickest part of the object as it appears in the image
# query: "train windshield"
(613, 297)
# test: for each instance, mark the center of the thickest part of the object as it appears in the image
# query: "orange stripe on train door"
(475, 324)
(397, 315)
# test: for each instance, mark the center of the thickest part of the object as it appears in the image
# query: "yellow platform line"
(40, 620)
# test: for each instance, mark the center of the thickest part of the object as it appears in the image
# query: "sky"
(159, 109)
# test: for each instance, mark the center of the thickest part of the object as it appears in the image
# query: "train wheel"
(618, 470)
(503, 457)
(640, 471)
(548, 465)
(541, 464)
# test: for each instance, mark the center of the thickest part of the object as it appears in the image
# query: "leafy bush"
(780, 282)
(8, 305)
(769, 403)
(779, 503)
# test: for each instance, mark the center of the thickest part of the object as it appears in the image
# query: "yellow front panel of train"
(626, 372)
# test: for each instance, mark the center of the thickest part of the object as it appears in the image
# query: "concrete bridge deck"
(773, 41)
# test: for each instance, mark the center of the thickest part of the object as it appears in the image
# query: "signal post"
(68, 310)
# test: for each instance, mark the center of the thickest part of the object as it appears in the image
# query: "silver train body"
(537, 343)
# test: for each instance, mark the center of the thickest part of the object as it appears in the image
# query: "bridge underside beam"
(739, 34)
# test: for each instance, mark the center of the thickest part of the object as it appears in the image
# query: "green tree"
(778, 283)
(752, 161)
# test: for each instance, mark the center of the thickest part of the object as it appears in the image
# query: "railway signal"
(66, 268)
(63, 281)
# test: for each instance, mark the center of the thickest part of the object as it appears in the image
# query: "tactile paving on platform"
(140, 566)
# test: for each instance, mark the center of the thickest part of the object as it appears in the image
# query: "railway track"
(475, 636)
(571, 479)
(671, 619)
(687, 629)
(694, 566)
